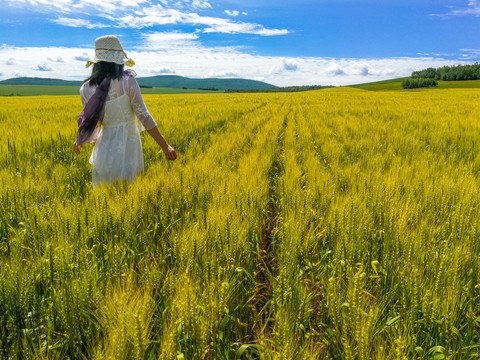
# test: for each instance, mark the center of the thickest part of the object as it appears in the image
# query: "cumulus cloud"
(333, 70)
(194, 60)
(43, 67)
(287, 65)
(225, 73)
(10, 61)
(162, 71)
(359, 69)
(232, 12)
(58, 59)
(290, 65)
(83, 57)
(18, 73)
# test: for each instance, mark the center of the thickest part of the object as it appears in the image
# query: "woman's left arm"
(143, 115)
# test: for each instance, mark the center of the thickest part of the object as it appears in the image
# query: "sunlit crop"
(332, 224)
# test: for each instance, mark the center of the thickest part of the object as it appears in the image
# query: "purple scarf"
(93, 112)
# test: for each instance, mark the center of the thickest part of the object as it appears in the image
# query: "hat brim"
(113, 56)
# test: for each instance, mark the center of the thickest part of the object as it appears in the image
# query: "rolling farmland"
(332, 224)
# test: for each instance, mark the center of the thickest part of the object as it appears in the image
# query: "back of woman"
(112, 97)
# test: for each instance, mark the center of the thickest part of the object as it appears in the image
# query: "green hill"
(396, 84)
(392, 84)
(179, 82)
(39, 81)
(161, 81)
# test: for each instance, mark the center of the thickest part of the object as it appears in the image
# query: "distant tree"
(418, 83)
(450, 73)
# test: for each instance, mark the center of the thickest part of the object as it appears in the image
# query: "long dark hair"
(103, 69)
(103, 72)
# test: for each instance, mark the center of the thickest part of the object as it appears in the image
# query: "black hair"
(103, 69)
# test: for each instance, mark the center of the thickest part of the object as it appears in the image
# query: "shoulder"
(129, 79)
(84, 87)
(129, 76)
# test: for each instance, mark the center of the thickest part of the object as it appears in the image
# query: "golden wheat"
(334, 224)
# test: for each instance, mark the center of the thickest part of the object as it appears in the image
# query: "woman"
(112, 97)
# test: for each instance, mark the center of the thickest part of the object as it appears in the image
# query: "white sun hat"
(109, 49)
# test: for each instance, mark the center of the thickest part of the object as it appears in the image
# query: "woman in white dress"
(112, 97)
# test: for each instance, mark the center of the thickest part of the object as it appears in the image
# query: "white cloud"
(45, 5)
(141, 14)
(225, 73)
(472, 8)
(43, 67)
(18, 73)
(290, 65)
(228, 27)
(58, 59)
(83, 57)
(201, 4)
(158, 15)
(75, 6)
(10, 61)
(192, 59)
(169, 36)
(471, 53)
(287, 65)
(359, 69)
(333, 70)
(169, 41)
(162, 71)
(70, 22)
(232, 12)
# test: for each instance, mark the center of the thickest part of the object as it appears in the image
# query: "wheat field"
(333, 224)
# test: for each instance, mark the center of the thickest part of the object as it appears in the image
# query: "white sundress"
(118, 154)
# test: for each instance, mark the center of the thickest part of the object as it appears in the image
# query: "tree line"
(450, 73)
(418, 83)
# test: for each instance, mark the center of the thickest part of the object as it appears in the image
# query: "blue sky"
(282, 42)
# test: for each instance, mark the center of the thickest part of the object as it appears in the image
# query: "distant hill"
(396, 84)
(39, 81)
(179, 82)
(162, 81)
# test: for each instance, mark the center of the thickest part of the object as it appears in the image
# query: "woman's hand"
(76, 148)
(169, 152)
